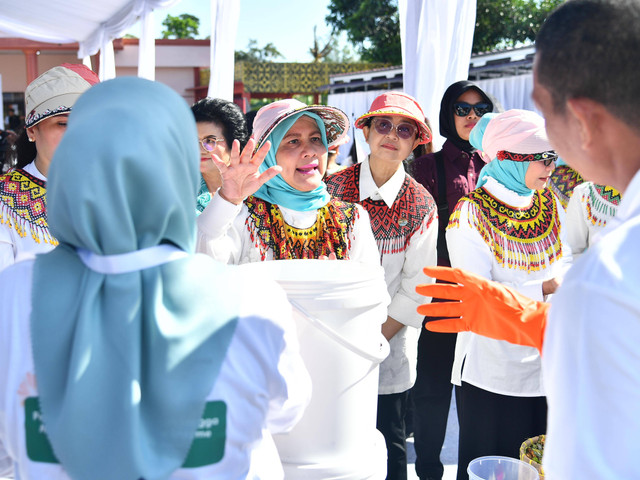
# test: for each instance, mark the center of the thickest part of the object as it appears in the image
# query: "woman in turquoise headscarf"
(117, 359)
(507, 230)
(280, 209)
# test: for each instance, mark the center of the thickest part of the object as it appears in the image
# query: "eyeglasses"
(462, 109)
(209, 143)
(403, 130)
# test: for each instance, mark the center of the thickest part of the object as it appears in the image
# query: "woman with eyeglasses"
(405, 226)
(507, 230)
(280, 209)
(219, 123)
(448, 175)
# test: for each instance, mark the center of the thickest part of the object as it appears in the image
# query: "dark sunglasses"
(403, 130)
(462, 109)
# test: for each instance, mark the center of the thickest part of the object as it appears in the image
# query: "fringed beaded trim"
(519, 238)
(23, 206)
(562, 182)
(331, 232)
(601, 203)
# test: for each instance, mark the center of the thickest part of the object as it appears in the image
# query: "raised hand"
(484, 307)
(241, 177)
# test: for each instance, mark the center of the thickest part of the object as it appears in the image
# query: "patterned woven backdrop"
(268, 77)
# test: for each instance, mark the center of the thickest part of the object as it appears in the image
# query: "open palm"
(242, 177)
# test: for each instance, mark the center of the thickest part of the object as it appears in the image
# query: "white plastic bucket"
(339, 306)
(505, 468)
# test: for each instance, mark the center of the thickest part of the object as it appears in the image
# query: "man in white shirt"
(584, 74)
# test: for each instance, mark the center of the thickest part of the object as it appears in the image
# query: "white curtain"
(437, 36)
(224, 26)
(107, 62)
(147, 48)
(353, 104)
(510, 92)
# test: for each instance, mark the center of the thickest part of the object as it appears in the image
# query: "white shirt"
(223, 233)
(262, 381)
(494, 365)
(587, 214)
(403, 272)
(13, 246)
(591, 357)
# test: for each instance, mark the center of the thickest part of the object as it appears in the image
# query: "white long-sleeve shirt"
(591, 358)
(402, 267)
(14, 245)
(494, 365)
(589, 210)
(262, 381)
(223, 233)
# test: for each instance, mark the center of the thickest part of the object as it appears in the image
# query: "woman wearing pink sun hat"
(405, 225)
(279, 208)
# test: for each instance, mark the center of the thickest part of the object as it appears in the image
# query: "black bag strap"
(443, 206)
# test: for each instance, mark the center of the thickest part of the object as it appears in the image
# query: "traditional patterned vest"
(521, 238)
(562, 182)
(330, 233)
(392, 227)
(601, 203)
(23, 205)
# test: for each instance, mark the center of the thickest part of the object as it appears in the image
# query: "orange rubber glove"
(483, 307)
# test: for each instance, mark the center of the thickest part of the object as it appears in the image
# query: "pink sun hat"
(56, 90)
(400, 104)
(335, 121)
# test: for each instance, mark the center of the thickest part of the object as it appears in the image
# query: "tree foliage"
(182, 26)
(507, 23)
(254, 53)
(373, 26)
(317, 51)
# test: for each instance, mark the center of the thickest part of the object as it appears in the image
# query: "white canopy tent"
(93, 25)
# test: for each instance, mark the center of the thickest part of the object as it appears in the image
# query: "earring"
(32, 139)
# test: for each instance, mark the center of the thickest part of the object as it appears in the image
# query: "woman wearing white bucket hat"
(280, 209)
(49, 98)
(508, 230)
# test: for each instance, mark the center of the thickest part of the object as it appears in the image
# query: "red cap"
(400, 104)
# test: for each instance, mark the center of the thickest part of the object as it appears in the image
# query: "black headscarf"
(447, 122)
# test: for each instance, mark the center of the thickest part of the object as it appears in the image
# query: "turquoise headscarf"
(280, 192)
(124, 362)
(507, 172)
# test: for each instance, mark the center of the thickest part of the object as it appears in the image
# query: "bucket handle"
(377, 357)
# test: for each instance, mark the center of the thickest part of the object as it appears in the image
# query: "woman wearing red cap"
(404, 222)
(24, 230)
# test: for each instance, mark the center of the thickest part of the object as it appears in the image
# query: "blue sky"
(288, 24)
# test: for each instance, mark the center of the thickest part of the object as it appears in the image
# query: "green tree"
(508, 23)
(182, 26)
(254, 53)
(317, 52)
(373, 26)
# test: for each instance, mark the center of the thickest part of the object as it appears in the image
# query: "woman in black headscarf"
(448, 175)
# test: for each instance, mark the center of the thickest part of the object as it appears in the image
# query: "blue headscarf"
(125, 361)
(279, 192)
(507, 172)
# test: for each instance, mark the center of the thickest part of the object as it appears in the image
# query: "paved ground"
(449, 455)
